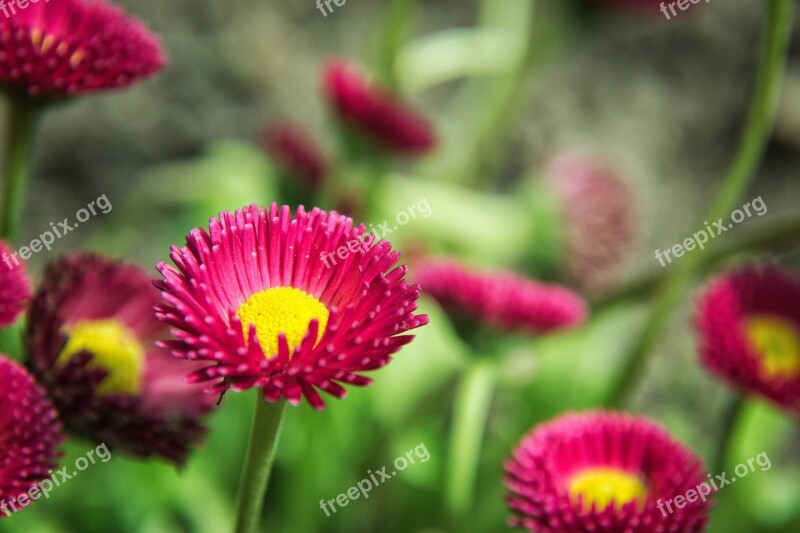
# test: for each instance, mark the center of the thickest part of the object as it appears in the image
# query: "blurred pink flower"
(91, 341)
(67, 47)
(748, 323)
(604, 472)
(375, 112)
(15, 286)
(502, 299)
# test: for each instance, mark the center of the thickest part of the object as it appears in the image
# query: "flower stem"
(749, 155)
(21, 121)
(397, 20)
(264, 435)
(470, 414)
(732, 415)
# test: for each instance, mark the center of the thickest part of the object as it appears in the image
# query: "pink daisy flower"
(91, 341)
(600, 222)
(374, 112)
(504, 300)
(66, 47)
(290, 304)
(748, 323)
(15, 286)
(30, 434)
(604, 472)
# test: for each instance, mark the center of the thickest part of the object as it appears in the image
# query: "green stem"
(21, 121)
(264, 435)
(399, 15)
(470, 414)
(748, 157)
(732, 415)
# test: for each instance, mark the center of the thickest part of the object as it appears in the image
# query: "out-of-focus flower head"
(15, 286)
(374, 112)
(600, 223)
(288, 303)
(296, 152)
(604, 472)
(91, 339)
(748, 323)
(504, 300)
(30, 433)
(67, 47)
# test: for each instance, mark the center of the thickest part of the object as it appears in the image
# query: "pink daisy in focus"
(30, 434)
(604, 472)
(15, 286)
(67, 47)
(599, 215)
(502, 299)
(374, 112)
(91, 341)
(286, 303)
(748, 322)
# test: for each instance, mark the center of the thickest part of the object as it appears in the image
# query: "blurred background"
(506, 89)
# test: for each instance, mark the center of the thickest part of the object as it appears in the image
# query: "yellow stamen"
(47, 44)
(281, 310)
(603, 486)
(76, 58)
(36, 37)
(115, 349)
(777, 342)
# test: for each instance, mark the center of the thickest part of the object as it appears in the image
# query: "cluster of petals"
(56, 48)
(600, 220)
(30, 434)
(163, 418)
(539, 471)
(501, 299)
(726, 347)
(375, 112)
(15, 286)
(257, 249)
(297, 153)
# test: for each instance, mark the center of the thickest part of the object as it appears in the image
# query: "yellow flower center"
(116, 350)
(603, 486)
(281, 310)
(777, 342)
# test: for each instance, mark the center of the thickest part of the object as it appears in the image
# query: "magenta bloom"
(91, 338)
(604, 472)
(297, 153)
(748, 322)
(30, 434)
(374, 112)
(504, 300)
(600, 222)
(287, 303)
(15, 287)
(65, 47)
